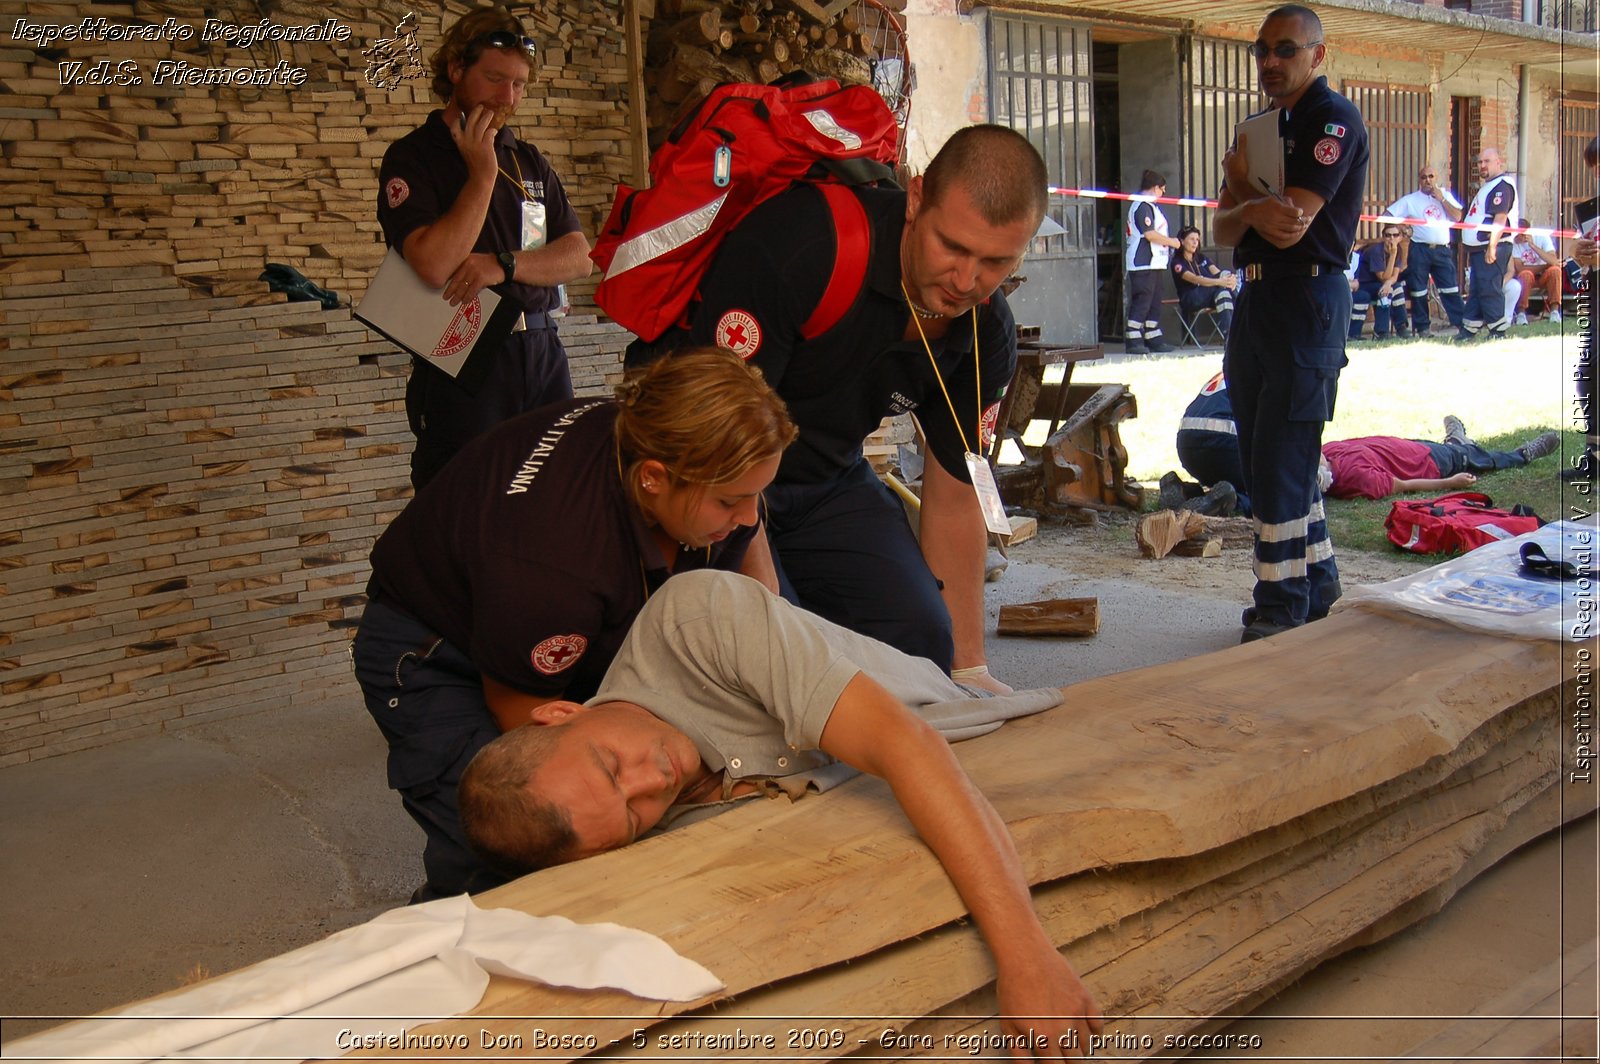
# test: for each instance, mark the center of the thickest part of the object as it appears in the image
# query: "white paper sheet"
(416, 964)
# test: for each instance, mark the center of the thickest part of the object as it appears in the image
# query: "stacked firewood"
(696, 45)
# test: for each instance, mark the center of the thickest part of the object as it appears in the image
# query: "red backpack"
(1454, 523)
(743, 145)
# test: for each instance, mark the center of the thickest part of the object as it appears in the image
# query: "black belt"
(1265, 271)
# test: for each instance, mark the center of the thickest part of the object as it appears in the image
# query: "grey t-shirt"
(752, 679)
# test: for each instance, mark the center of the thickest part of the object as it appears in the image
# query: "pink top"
(1367, 468)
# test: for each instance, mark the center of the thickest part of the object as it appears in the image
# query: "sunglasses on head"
(1283, 50)
(505, 39)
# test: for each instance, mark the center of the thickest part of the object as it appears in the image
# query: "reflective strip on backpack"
(824, 123)
(665, 238)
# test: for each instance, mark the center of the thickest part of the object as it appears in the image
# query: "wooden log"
(1199, 547)
(1022, 530)
(1159, 534)
(1078, 616)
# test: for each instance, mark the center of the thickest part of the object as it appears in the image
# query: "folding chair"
(1205, 319)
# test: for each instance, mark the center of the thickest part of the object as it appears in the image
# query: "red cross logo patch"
(396, 191)
(1327, 151)
(558, 653)
(986, 427)
(739, 333)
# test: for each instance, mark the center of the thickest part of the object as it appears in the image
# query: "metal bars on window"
(1397, 139)
(1040, 85)
(1580, 121)
(1220, 86)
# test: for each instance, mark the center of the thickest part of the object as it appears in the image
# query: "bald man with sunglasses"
(470, 207)
(1430, 210)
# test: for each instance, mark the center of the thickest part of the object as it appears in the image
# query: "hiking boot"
(1217, 502)
(1158, 346)
(1455, 431)
(1135, 347)
(1171, 490)
(1541, 445)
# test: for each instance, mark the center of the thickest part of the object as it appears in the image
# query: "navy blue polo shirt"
(423, 172)
(766, 280)
(527, 553)
(1370, 263)
(1324, 151)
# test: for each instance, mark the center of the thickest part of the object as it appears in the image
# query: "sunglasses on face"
(505, 39)
(1284, 50)
(1388, 235)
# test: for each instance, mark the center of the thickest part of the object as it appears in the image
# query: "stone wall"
(195, 469)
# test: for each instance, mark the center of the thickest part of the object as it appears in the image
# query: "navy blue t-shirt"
(527, 553)
(1324, 151)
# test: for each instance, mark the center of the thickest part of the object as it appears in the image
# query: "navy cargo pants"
(529, 372)
(427, 698)
(1282, 366)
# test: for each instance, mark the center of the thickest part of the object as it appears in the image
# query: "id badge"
(533, 224)
(994, 510)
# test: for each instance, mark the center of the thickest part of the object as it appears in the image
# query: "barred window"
(1580, 121)
(1040, 86)
(1397, 137)
(1220, 85)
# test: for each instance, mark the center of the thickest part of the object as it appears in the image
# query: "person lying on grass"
(723, 688)
(1375, 467)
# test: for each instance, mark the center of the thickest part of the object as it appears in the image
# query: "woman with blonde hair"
(513, 576)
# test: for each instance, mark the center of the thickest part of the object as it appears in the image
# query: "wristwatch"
(509, 261)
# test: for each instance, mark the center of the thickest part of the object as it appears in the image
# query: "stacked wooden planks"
(193, 485)
(1200, 833)
(214, 182)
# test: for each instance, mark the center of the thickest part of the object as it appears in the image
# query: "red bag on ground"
(743, 145)
(1455, 523)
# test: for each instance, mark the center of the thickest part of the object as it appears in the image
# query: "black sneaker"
(1464, 336)
(1541, 445)
(1159, 346)
(1135, 347)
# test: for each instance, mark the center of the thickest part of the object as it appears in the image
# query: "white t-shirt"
(1419, 204)
(1525, 254)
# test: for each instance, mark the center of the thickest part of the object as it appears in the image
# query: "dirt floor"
(1105, 550)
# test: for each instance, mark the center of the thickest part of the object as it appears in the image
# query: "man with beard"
(470, 206)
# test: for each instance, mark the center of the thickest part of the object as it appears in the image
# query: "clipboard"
(1587, 213)
(458, 341)
(1263, 151)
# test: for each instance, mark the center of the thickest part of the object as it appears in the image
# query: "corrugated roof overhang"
(1404, 26)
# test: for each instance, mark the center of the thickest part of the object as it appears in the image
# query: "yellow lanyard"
(977, 374)
(522, 189)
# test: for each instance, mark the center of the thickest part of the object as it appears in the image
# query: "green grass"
(1506, 391)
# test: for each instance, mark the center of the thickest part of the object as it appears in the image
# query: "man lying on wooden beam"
(721, 690)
